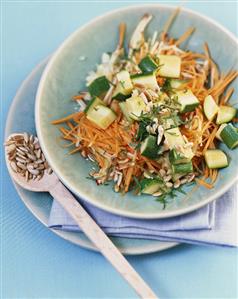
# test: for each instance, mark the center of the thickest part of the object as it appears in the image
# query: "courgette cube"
(124, 86)
(218, 133)
(148, 80)
(169, 66)
(124, 79)
(177, 158)
(93, 103)
(177, 83)
(148, 64)
(229, 136)
(225, 114)
(149, 147)
(182, 168)
(135, 106)
(174, 138)
(119, 93)
(99, 86)
(216, 159)
(125, 111)
(210, 107)
(187, 100)
(102, 116)
(149, 186)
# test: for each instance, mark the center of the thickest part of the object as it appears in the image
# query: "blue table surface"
(35, 263)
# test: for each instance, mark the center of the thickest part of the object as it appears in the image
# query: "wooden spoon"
(51, 183)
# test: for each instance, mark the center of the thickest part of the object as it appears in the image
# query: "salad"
(153, 115)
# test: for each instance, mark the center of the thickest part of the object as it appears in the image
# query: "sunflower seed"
(169, 171)
(116, 188)
(32, 148)
(22, 166)
(27, 175)
(21, 156)
(26, 137)
(20, 160)
(147, 175)
(12, 156)
(91, 157)
(177, 184)
(169, 184)
(9, 142)
(115, 177)
(183, 181)
(119, 180)
(37, 153)
(17, 137)
(190, 177)
(33, 171)
(162, 172)
(31, 139)
(20, 151)
(37, 145)
(41, 167)
(32, 157)
(30, 165)
(13, 166)
(158, 193)
(23, 149)
(167, 178)
(10, 148)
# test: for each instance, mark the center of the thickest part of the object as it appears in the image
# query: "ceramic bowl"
(65, 75)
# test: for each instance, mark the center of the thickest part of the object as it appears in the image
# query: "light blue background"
(37, 264)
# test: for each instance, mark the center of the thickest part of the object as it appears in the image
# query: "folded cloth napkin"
(214, 224)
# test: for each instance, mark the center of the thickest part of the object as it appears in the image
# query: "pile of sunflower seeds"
(26, 157)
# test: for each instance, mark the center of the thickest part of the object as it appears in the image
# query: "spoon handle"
(101, 241)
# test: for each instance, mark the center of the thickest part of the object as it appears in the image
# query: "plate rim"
(156, 247)
(82, 195)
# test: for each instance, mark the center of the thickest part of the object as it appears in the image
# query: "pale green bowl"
(65, 75)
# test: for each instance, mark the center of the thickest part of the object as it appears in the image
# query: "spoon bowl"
(45, 184)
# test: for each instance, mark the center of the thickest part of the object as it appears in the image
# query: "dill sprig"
(171, 194)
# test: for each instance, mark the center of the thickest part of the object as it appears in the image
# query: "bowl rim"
(98, 204)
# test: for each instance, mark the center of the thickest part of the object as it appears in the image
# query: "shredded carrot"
(169, 23)
(185, 36)
(204, 183)
(78, 97)
(66, 118)
(210, 139)
(122, 30)
(226, 97)
(128, 178)
(77, 149)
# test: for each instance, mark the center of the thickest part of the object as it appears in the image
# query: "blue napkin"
(214, 224)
